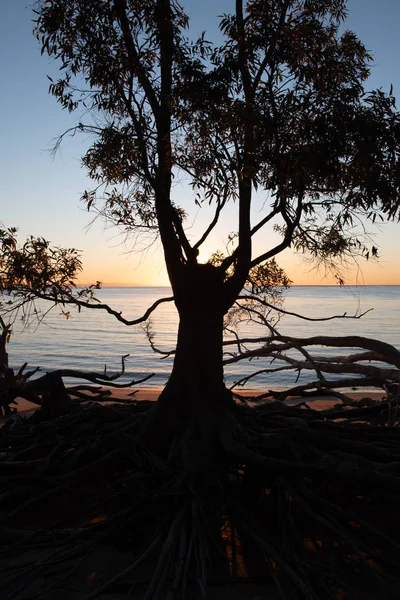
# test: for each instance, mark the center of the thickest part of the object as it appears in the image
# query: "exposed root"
(287, 497)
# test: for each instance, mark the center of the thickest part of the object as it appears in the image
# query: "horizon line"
(144, 285)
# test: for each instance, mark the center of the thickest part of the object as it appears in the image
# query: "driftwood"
(377, 365)
(49, 392)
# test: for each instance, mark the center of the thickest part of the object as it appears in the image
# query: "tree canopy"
(276, 108)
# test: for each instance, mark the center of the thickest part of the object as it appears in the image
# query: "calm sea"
(92, 339)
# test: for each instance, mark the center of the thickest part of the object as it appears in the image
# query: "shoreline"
(317, 402)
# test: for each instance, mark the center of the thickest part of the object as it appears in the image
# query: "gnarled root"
(302, 501)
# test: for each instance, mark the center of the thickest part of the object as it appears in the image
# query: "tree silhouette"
(275, 113)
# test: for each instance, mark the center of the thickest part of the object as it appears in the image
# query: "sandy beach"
(317, 402)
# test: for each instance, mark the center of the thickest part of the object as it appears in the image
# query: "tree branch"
(264, 221)
(327, 386)
(390, 353)
(140, 137)
(213, 223)
(386, 352)
(287, 239)
(172, 234)
(293, 314)
(120, 10)
(106, 307)
(272, 46)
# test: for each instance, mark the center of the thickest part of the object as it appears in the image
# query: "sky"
(40, 194)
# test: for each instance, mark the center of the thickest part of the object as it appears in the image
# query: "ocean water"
(91, 339)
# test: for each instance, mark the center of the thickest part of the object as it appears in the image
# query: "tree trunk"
(195, 394)
(196, 385)
(5, 332)
(5, 372)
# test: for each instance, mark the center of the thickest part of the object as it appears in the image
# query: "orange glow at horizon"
(119, 265)
(300, 273)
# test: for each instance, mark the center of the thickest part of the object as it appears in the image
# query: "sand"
(318, 402)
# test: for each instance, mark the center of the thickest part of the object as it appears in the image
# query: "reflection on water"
(92, 339)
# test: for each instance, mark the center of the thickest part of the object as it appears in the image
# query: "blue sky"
(40, 195)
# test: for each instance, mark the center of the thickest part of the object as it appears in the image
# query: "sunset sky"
(40, 195)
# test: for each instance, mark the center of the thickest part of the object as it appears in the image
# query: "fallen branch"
(49, 391)
(328, 387)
